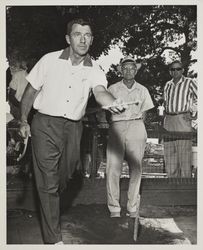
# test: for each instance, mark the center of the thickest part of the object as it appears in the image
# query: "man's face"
(80, 39)
(176, 71)
(129, 70)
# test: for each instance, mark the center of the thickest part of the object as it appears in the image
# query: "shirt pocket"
(136, 107)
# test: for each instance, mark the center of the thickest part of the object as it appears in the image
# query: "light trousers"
(127, 140)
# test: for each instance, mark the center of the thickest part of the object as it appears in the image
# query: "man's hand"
(117, 107)
(26, 105)
(189, 116)
(104, 98)
(24, 130)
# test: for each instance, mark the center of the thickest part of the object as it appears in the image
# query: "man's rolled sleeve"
(147, 102)
(98, 77)
(13, 84)
(193, 86)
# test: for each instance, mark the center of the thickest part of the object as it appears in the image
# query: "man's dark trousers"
(56, 153)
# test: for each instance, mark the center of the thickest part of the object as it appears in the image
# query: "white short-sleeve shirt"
(137, 93)
(64, 89)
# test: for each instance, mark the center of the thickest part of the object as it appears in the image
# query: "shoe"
(59, 243)
(115, 215)
(135, 214)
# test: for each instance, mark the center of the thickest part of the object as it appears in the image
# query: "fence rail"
(94, 156)
(156, 188)
(93, 150)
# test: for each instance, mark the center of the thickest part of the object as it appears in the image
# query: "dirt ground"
(93, 225)
(90, 224)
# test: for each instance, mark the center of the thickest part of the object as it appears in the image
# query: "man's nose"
(82, 39)
(128, 70)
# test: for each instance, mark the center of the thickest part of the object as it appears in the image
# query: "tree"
(32, 32)
(144, 31)
(162, 25)
(158, 29)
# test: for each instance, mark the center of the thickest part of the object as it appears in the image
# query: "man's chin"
(82, 52)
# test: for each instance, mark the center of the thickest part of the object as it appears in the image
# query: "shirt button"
(64, 114)
(67, 100)
(69, 87)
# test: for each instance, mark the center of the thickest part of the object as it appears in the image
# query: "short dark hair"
(176, 61)
(80, 21)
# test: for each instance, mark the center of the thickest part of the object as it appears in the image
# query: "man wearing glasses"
(180, 97)
(127, 138)
(59, 86)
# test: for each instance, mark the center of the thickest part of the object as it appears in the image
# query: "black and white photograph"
(100, 123)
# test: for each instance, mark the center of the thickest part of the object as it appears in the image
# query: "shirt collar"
(180, 81)
(66, 54)
(135, 86)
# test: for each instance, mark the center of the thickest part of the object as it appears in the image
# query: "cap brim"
(138, 66)
(128, 60)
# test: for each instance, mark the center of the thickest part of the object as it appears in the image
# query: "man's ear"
(91, 40)
(119, 68)
(67, 39)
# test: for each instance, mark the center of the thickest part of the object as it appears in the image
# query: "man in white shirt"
(59, 87)
(127, 138)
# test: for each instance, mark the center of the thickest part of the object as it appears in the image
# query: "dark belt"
(135, 119)
(178, 113)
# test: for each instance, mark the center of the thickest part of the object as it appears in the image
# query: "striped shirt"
(180, 97)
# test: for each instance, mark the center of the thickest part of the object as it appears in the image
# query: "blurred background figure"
(161, 112)
(17, 86)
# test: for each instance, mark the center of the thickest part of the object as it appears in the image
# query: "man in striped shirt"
(180, 97)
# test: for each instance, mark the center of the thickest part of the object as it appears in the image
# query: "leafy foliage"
(141, 30)
(32, 32)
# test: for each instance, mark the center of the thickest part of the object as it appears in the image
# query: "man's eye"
(80, 35)
(77, 34)
(88, 35)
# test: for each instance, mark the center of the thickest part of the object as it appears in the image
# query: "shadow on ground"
(93, 226)
(90, 224)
